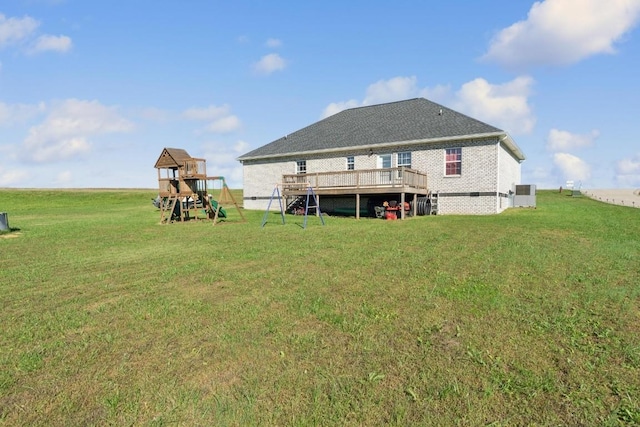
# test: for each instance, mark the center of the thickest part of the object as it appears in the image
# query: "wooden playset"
(184, 189)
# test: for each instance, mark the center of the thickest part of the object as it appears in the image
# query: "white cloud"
(336, 107)
(154, 114)
(64, 177)
(12, 177)
(11, 114)
(394, 89)
(51, 43)
(224, 125)
(273, 43)
(544, 176)
(503, 105)
(218, 153)
(240, 147)
(20, 31)
(220, 118)
(561, 140)
(438, 93)
(15, 30)
(269, 64)
(221, 161)
(572, 167)
(65, 132)
(629, 166)
(561, 32)
(628, 171)
(211, 112)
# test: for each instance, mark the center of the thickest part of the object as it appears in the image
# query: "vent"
(525, 196)
(525, 190)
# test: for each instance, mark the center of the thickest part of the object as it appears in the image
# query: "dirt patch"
(625, 197)
(10, 235)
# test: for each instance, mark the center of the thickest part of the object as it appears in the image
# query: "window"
(351, 163)
(453, 161)
(301, 166)
(404, 159)
(384, 162)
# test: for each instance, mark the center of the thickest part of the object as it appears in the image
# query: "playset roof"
(172, 157)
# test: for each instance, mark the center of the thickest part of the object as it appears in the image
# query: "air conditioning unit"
(524, 196)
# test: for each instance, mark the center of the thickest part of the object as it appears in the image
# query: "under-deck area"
(404, 182)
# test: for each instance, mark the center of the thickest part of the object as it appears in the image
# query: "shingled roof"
(397, 123)
(172, 157)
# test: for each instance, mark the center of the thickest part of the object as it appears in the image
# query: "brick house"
(405, 150)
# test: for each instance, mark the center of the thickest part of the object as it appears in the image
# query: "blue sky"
(91, 91)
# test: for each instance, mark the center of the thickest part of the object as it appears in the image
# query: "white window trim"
(298, 172)
(380, 162)
(385, 177)
(403, 165)
(398, 159)
(444, 172)
(352, 163)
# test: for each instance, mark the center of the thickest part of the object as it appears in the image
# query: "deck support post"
(357, 205)
(414, 206)
(402, 205)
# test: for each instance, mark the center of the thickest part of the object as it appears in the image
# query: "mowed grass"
(530, 317)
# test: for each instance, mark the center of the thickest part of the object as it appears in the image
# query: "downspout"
(498, 174)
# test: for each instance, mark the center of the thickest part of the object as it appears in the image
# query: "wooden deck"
(402, 181)
(366, 181)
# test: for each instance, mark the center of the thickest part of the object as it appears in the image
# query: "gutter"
(503, 137)
(510, 143)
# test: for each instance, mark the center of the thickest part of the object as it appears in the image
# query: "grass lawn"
(530, 317)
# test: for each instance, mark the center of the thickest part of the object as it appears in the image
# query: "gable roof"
(172, 157)
(415, 120)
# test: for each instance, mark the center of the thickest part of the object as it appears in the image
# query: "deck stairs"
(296, 206)
(309, 202)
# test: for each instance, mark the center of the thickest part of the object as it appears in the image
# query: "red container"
(392, 212)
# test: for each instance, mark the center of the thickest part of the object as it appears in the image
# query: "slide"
(222, 213)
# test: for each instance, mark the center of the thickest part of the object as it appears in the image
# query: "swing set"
(310, 197)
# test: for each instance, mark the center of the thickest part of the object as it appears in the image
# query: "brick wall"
(488, 173)
(260, 177)
(259, 180)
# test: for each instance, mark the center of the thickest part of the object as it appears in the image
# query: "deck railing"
(399, 179)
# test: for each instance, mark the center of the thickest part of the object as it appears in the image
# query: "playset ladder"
(166, 209)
